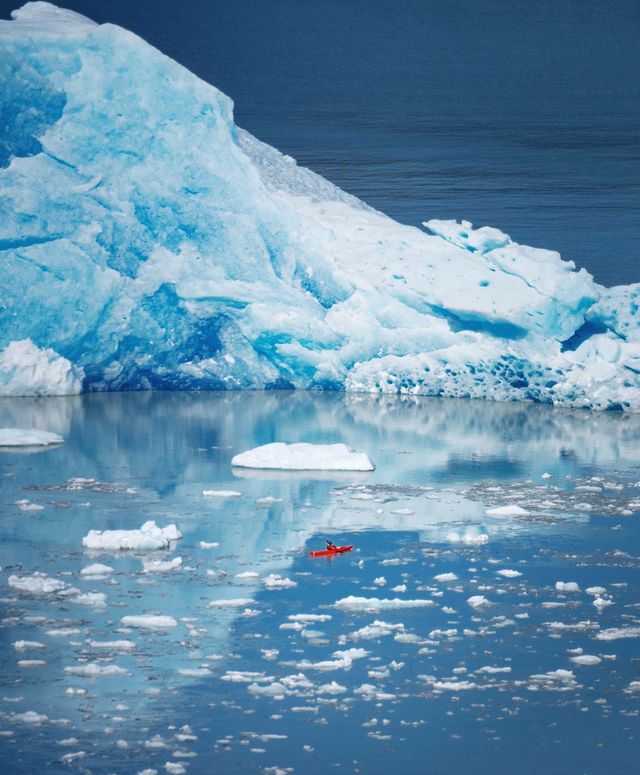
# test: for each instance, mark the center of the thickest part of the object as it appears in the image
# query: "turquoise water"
(441, 686)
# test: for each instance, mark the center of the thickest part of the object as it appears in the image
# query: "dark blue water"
(519, 115)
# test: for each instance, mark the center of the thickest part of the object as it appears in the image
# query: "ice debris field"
(160, 613)
(150, 243)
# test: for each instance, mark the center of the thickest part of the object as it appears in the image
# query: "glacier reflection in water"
(248, 688)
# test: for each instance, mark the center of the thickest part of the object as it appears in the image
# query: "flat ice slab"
(21, 437)
(149, 537)
(304, 457)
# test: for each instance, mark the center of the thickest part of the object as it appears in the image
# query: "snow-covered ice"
(304, 457)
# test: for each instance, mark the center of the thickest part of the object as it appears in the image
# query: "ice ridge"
(148, 243)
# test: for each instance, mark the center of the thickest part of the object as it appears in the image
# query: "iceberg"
(150, 243)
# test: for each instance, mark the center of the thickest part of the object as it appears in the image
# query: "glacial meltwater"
(487, 619)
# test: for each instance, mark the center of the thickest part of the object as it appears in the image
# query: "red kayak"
(329, 552)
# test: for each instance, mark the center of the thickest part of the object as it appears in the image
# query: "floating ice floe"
(618, 633)
(274, 581)
(372, 604)
(567, 586)
(96, 670)
(221, 494)
(377, 629)
(113, 645)
(20, 437)
(508, 573)
(149, 537)
(23, 645)
(553, 681)
(39, 584)
(586, 659)
(510, 510)
(161, 566)
(235, 602)
(442, 577)
(478, 601)
(150, 621)
(304, 457)
(96, 570)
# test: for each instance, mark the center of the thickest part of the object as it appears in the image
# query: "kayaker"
(331, 547)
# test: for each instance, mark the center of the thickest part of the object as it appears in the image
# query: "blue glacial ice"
(149, 243)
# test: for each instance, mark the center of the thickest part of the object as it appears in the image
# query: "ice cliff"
(149, 243)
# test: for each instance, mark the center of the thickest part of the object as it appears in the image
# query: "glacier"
(149, 243)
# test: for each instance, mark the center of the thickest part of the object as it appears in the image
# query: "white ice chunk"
(150, 621)
(275, 581)
(149, 537)
(304, 457)
(442, 577)
(97, 569)
(586, 659)
(511, 510)
(372, 604)
(161, 566)
(96, 670)
(567, 586)
(617, 633)
(20, 437)
(478, 601)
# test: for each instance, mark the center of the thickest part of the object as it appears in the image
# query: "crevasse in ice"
(148, 243)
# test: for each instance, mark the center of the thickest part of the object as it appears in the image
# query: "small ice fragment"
(97, 569)
(96, 670)
(446, 577)
(161, 566)
(221, 494)
(510, 510)
(22, 645)
(274, 581)
(478, 601)
(567, 586)
(236, 602)
(209, 544)
(372, 604)
(586, 659)
(21, 437)
(508, 573)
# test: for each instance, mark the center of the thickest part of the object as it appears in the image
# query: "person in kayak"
(331, 547)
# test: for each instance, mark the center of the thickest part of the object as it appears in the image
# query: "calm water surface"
(392, 664)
